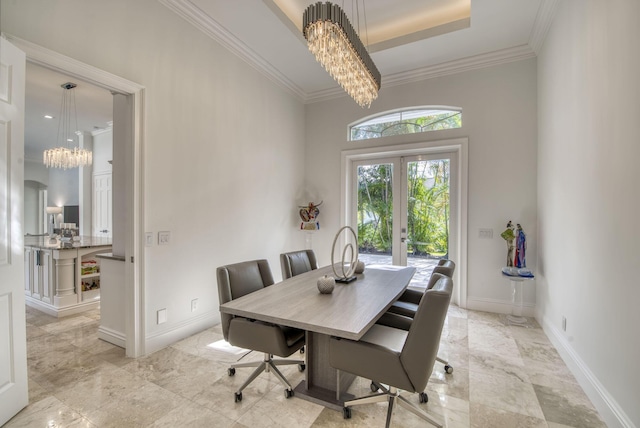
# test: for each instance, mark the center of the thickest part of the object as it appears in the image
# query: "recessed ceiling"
(408, 40)
(385, 24)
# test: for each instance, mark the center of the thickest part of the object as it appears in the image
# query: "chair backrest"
(297, 262)
(435, 276)
(421, 346)
(239, 279)
(445, 267)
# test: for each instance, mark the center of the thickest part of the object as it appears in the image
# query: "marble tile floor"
(504, 376)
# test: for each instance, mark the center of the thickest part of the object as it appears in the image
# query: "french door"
(402, 207)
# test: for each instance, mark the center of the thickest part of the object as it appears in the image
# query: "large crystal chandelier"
(63, 156)
(336, 46)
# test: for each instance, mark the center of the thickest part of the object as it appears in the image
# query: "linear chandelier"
(63, 156)
(336, 45)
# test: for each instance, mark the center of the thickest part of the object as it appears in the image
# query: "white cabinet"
(54, 280)
(38, 264)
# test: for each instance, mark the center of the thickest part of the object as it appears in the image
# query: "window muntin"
(408, 121)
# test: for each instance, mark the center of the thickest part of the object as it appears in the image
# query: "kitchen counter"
(42, 242)
(63, 278)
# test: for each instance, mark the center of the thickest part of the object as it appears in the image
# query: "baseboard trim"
(115, 337)
(610, 411)
(181, 330)
(498, 306)
(61, 312)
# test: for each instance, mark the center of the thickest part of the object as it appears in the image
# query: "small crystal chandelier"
(62, 156)
(336, 46)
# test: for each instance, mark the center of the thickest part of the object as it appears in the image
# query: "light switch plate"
(163, 238)
(485, 233)
(148, 239)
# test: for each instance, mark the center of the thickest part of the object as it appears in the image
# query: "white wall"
(499, 118)
(36, 171)
(32, 216)
(36, 177)
(63, 187)
(588, 202)
(223, 149)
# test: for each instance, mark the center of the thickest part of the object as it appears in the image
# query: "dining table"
(348, 312)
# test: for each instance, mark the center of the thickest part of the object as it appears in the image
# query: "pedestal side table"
(516, 317)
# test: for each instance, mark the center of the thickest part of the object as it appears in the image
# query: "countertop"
(110, 256)
(42, 242)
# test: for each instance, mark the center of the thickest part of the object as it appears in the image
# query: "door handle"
(104, 231)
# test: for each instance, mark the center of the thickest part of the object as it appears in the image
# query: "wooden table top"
(348, 312)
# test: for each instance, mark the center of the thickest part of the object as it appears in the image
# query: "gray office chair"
(402, 311)
(235, 281)
(297, 262)
(397, 358)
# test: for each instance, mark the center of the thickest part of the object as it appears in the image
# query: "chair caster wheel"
(423, 397)
(231, 371)
(448, 369)
(301, 367)
(238, 396)
(302, 350)
(373, 387)
(346, 412)
(288, 393)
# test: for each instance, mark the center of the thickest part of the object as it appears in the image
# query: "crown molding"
(97, 132)
(544, 19)
(489, 59)
(203, 22)
(199, 19)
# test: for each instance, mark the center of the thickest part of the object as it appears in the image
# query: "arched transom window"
(406, 121)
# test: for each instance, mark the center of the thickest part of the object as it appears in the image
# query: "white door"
(403, 210)
(102, 205)
(14, 394)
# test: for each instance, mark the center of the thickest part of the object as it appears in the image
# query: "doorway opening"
(408, 204)
(422, 208)
(128, 117)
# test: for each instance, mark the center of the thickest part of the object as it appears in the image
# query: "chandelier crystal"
(336, 45)
(63, 156)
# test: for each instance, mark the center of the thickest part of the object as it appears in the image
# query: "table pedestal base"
(322, 382)
(321, 396)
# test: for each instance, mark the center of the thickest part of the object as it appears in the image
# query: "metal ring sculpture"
(353, 257)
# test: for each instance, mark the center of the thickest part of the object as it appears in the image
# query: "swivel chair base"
(392, 395)
(268, 364)
(448, 369)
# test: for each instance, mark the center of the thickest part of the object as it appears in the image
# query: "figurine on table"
(508, 235)
(521, 246)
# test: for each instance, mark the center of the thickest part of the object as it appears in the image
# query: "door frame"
(134, 250)
(458, 148)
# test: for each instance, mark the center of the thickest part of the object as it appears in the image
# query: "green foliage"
(428, 207)
(375, 207)
(433, 122)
